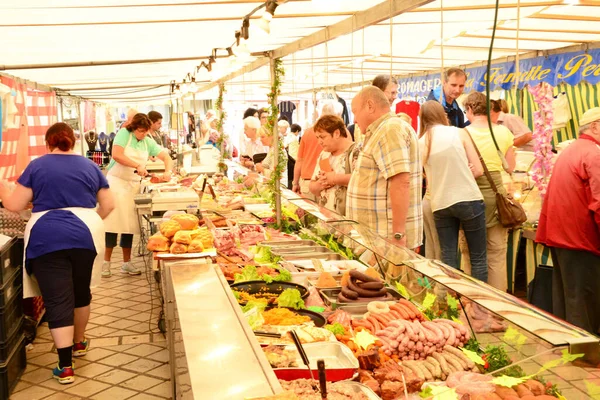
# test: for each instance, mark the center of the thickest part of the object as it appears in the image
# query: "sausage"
(459, 354)
(522, 390)
(536, 387)
(396, 314)
(376, 325)
(418, 364)
(410, 331)
(452, 362)
(436, 365)
(371, 285)
(460, 361)
(363, 277)
(437, 332)
(461, 328)
(364, 292)
(401, 310)
(381, 319)
(349, 294)
(428, 367)
(413, 369)
(343, 299)
(411, 307)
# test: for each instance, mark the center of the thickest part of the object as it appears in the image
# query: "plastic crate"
(14, 338)
(11, 371)
(11, 258)
(11, 314)
(11, 286)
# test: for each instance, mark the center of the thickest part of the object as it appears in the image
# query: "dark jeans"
(64, 278)
(126, 240)
(471, 214)
(576, 288)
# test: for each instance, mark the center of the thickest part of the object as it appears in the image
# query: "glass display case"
(536, 343)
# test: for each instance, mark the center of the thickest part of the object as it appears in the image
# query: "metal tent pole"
(275, 134)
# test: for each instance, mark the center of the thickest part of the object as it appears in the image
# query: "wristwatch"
(399, 235)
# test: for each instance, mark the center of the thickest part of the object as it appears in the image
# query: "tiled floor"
(128, 357)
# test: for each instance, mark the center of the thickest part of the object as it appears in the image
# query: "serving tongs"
(268, 334)
(305, 359)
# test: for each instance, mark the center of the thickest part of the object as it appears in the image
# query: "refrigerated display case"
(537, 343)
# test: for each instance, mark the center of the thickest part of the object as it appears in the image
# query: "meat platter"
(359, 388)
(339, 362)
(287, 243)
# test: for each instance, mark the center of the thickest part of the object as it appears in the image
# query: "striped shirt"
(390, 148)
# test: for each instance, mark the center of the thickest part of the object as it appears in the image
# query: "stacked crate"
(12, 341)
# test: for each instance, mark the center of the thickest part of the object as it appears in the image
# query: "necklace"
(103, 141)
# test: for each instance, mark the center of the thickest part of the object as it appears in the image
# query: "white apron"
(92, 220)
(125, 184)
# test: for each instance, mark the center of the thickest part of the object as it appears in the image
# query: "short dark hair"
(154, 116)
(382, 81)
(262, 111)
(453, 71)
(329, 124)
(295, 128)
(139, 121)
(250, 112)
(283, 118)
(496, 105)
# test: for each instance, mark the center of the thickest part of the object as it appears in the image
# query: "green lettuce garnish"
(290, 298)
(336, 329)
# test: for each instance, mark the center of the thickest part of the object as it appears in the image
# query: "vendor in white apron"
(63, 239)
(131, 149)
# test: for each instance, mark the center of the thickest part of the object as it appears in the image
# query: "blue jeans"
(471, 214)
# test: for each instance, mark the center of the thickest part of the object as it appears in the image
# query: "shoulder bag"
(510, 212)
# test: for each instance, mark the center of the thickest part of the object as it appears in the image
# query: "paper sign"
(429, 301)
(364, 339)
(402, 290)
(509, 381)
(452, 302)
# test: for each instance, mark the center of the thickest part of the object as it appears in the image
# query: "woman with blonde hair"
(497, 159)
(451, 166)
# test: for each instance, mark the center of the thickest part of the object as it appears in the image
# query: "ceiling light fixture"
(264, 22)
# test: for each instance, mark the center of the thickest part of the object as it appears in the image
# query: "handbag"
(510, 212)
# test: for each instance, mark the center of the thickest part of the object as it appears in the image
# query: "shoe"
(64, 375)
(106, 269)
(81, 348)
(127, 268)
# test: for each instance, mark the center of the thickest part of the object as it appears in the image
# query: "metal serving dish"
(288, 243)
(340, 363)
(308, 256)
(281, 251)
(330, 298)
(357, 387)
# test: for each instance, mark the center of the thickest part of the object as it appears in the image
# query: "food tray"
(207, 253)
(333, 266)
(340, 363)
(358, 388)
(253, 287)
(288, 243)
(317, 318)
(281, 251)
(330, 297)
(308, 256)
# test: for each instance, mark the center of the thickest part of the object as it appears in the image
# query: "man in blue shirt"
(453, 86)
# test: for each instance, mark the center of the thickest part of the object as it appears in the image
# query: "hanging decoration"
(542, 135)
(222, 140)
(271, 127)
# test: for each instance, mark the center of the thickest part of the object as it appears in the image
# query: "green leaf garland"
(271, 123)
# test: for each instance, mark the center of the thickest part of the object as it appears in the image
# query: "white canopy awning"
(130, 50)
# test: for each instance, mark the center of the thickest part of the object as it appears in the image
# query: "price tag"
(429, 301)
(402, 290)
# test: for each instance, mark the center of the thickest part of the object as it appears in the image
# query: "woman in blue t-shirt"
(63, 239)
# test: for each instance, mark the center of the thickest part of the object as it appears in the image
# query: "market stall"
(532, 351)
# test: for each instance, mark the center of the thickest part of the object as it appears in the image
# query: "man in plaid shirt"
(384, 192)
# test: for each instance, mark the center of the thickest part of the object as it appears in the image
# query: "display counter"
(214, 332)
(213, 352)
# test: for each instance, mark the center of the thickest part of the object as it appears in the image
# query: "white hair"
(283, 122)
(131, 113)
(332, 107)
(252, 122)
(585, 127)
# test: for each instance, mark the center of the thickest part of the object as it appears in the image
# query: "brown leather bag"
(510, 212)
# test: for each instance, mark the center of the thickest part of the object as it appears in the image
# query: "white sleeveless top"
(449, 178)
